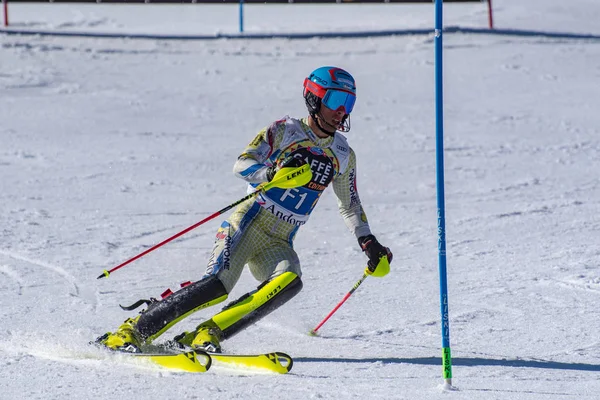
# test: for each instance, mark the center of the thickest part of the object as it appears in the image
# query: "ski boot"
(125, 339)
(207, 337)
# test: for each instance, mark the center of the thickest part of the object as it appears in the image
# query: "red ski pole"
(382, 269)
(186, 230)
(284, 178)
(356, 285)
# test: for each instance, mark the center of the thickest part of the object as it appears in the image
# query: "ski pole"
(284, 178)
(382, 269)
(356, 285)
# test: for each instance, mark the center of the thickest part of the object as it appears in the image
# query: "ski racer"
(260, 232)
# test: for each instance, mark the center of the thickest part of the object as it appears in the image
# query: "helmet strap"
(317, 117)
(345, 123)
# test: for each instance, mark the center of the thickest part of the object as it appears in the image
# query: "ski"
(200, 361)
(278, 362)
(197, 361)
(189, 361)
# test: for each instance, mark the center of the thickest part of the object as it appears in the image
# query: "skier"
(261, 231)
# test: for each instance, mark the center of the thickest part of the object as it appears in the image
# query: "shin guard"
(253, 306)
(160, 316)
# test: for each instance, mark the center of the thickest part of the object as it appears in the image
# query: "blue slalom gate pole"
(441, 214)
(241, 16)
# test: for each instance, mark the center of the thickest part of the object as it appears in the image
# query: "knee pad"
(253, 306)
(161, 315)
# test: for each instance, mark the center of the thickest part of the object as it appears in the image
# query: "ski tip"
(285, 362)
(105, 273)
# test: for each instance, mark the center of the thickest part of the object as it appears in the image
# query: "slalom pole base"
(447, 386)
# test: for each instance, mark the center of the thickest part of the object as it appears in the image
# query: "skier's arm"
(349, 204)
(356, 220)
(250, 165)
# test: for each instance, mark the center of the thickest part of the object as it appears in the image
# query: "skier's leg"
(224, 269)
(161, 315)
(226, 265)
(278, 267)
(253, 306)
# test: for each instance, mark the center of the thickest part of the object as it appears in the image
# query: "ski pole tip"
(105, 273)
(313, 333)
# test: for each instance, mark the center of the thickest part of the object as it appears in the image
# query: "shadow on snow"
(465, 362)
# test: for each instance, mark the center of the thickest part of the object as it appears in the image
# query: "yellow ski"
(200, 361)
(190, 361)
(273, 362)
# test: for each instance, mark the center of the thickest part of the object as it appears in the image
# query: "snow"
(110, 146)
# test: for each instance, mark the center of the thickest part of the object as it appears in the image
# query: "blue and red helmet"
(332, 87)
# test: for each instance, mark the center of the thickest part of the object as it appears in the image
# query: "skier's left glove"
(380, 257)
(289, 162)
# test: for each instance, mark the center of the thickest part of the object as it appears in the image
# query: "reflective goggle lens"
(334, 99)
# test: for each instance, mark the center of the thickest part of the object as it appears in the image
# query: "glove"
(289, 162)
(374, 250)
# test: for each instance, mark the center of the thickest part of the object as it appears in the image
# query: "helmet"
(332, 87)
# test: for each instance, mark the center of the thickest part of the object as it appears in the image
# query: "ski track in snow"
(11, 273)
(30, 275)
(53, 268)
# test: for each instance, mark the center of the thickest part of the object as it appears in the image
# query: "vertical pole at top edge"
(241, 16)
(441, 217)
(5, 7)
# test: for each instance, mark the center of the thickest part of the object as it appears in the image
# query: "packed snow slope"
(109, 146)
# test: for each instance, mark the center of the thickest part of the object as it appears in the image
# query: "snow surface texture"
(109, 146)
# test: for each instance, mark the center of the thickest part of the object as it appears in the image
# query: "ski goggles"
(332, 98)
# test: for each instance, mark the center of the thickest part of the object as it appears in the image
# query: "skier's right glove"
(290, 162)
(380, 257)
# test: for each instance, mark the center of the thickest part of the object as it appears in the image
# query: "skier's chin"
(333, 124)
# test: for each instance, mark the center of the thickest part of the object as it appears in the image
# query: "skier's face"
(332, 118)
